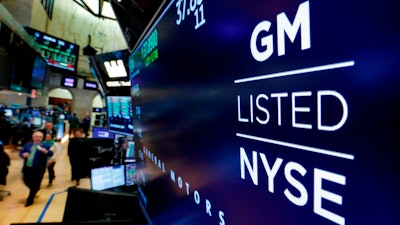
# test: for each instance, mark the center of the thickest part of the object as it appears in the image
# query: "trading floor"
(49, 203)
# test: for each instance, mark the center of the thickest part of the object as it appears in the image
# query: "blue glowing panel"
(269, 112)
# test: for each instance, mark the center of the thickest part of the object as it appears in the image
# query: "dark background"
(189, 118)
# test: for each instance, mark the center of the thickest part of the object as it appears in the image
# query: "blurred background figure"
(5, 129)
(73, 124)
(86, 124)
(48, 129)
(55, 147)
(23, 132)
(4, 163)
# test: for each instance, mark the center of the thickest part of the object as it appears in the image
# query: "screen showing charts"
(130, 152)
(107, 177)
(57, 52)
(119, 113)
(130, 175)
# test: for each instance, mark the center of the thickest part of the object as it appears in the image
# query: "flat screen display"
(36, 121)
(23, 59)
(119, 114)
(130, 174)
(90, 85)
(107, 177)
(101, 132)
(57, 52)
(38, 73)
(130, 151)
(5, 64)
(69, 82)
(8, 112)
(35, 112)
(270, 112)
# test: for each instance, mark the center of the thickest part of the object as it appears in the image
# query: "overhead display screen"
(90, 85)
(110, 70)
(120, 114)
(57, 52)
(269, 112)
(70, 82)
(103, 178)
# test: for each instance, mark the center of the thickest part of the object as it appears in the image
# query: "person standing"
(35, 156)
(77, 156)
(55, 147)
(27, 132)
(48, 129)
(73, 124)
(4, 163)
(5, 129)
(23, 132)
(86, 124)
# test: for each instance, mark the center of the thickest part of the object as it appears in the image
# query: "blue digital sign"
(269, 112)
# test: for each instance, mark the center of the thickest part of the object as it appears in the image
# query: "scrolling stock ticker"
(254, 104)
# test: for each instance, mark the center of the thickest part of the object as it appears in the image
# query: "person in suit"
(4, 163)
(35, 155)
(48, 129)
(77, 156)
(73, 124)
(5, 129)
(27, 132)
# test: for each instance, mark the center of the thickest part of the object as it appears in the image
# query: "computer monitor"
(130, 174)
(119, 114)
(108, 177)
(101, 132)
(84, 206)
(90, 85)
(130, 152)
(36, 121)
(70, 82)
(35, 112)
(8, 112)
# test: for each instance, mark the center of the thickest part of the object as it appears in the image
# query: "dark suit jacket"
(40, 159)
(53, 132)
(4, 163)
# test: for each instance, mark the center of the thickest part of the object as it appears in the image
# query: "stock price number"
(186, 7)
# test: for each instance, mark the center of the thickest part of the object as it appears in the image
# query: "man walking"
(35, 155)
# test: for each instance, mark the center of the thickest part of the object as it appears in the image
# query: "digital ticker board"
(269, 112)
(58, 53)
